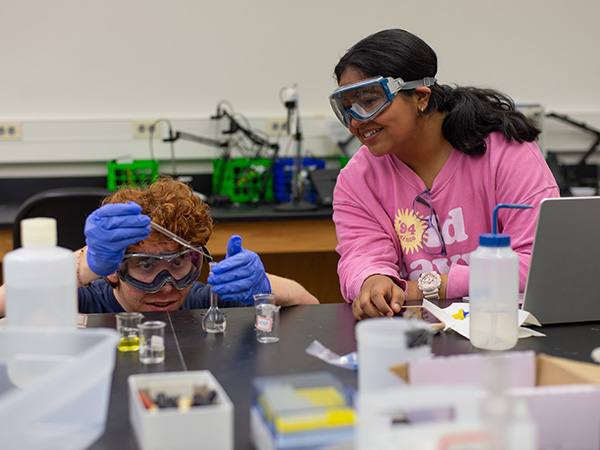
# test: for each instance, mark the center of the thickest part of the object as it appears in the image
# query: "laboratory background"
(232, 97)
(215, 93)
(79, 77)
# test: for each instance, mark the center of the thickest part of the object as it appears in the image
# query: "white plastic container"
(382, 343)
(209, 426)
(40, 279)
(64, 405)
(494, 291)
(493, 296)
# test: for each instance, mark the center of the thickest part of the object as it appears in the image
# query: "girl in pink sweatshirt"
(435, 162)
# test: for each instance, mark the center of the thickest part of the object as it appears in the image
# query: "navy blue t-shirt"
(100, 298)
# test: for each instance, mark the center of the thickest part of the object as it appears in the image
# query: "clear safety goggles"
(364, 100)
(150, 272)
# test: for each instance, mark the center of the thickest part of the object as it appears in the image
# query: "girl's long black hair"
(471, 113)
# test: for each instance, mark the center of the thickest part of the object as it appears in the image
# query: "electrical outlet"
(277, 127)
(143, 129)
(10, 131)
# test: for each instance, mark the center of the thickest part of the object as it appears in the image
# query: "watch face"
(428, 281)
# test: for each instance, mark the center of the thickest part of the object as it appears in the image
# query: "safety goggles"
(364, 100)
(150, 272)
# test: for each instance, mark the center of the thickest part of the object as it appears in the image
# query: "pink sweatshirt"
(378, 232)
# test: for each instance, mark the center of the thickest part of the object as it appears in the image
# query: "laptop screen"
(564, 272)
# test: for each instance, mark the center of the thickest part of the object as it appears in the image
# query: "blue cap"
(495, 239)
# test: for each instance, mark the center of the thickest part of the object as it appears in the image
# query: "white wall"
(93, 63)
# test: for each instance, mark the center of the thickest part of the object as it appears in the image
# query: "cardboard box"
(207, 426)
(563, 395)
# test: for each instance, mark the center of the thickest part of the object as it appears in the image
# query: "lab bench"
(235, 358)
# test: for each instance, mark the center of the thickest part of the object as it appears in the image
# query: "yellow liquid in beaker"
(129, 344)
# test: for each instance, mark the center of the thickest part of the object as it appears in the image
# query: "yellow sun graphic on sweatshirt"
(409, 229)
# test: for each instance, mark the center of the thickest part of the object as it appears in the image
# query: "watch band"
(432, 294)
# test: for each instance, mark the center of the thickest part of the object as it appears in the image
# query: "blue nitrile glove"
(240, 275)
(109, 230)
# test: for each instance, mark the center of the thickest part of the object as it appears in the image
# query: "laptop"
(563, 284)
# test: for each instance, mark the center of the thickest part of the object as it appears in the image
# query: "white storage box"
(54, 386)
(207, 426)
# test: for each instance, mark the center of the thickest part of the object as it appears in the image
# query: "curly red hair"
(172, 204)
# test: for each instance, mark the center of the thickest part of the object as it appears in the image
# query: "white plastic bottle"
(40, 279)
(494, 290)
(522, 433)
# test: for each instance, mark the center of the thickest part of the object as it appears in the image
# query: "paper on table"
(462, 326)
(349, 361)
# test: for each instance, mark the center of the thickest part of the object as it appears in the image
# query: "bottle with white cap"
(40, 279)
(494, 289)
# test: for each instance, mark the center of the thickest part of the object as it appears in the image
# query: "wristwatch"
(430, 284)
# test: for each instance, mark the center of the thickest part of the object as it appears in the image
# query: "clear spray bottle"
(494, 289)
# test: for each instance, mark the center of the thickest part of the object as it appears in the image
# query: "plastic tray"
(142, 172)
(282, 178)
(242, 179)
(301, 412)
(54, 386)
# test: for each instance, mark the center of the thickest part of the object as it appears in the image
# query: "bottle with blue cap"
(494, 289)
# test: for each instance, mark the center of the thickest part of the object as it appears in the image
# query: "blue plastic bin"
(282, 178)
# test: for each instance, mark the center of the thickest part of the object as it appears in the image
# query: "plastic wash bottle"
(40, 279)
(494, 290)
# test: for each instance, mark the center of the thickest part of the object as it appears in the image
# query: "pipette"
(179, 240)
(214, 321)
